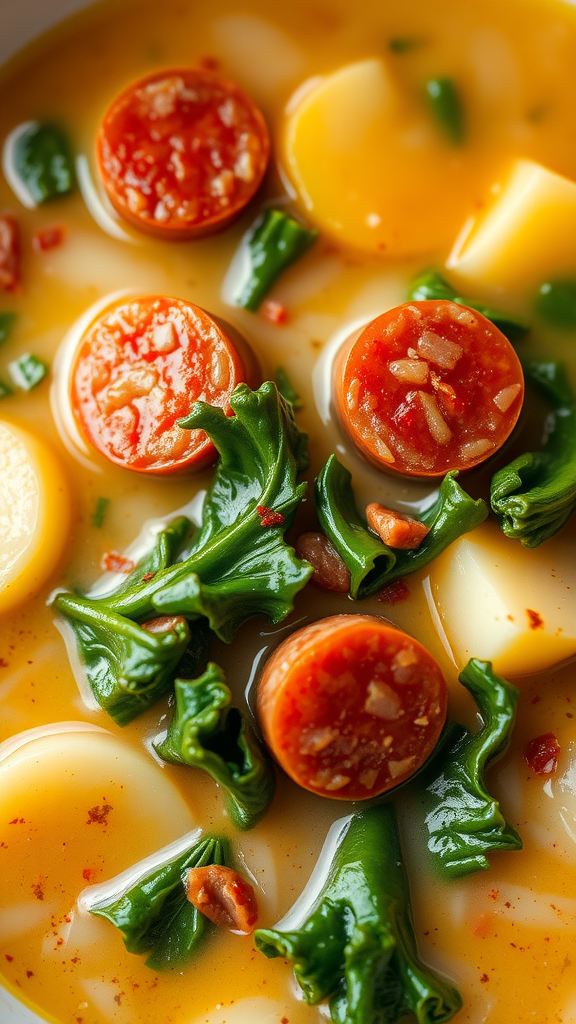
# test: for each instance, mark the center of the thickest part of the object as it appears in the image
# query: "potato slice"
(34, 514)
(496, 600)
(525, 237)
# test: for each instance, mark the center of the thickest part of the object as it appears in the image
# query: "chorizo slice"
(351, 706)
(428, 387)
(140, 367)
(181, 152)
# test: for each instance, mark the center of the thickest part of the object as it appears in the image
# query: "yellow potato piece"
(371, 166)
(514, 606)
(34, 514)
(525, 237)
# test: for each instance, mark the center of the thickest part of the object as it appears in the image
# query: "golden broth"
(516, 62)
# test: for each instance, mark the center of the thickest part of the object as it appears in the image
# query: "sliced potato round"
(34, 514)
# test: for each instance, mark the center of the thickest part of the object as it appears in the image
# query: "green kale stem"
(209, 732)
(431, 285)
(155, 916)
(535, 495)
(372, 564)
(462, 820)
(275, 241)
(353, 941)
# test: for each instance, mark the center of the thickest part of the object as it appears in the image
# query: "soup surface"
(79, 805)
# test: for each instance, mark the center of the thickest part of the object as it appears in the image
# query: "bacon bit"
(9, 958)
(542, 754)
(38, 887)
(17, 821)
(48, 238)
(163, 624)
(535, 620)
(3, 663)
(274, 311)
(29, 974)
(330, 570)
(148, 576)
(112, 561)
(394, 528)
(89, 874)
(223, 897)
(484, 979)
(394, 592)
(268, 517)
(9, 253)
(99, 815)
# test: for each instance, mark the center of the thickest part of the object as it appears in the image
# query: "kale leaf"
(353, 942)
(431, 285)
(536, 493)
(232, 568)
(208, 732)
(372, 563)
(154, 914)
(462, 820)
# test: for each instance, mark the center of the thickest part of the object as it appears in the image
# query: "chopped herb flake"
(100, 511)
(7, 321)
(5, 389)
(404, 44)
(446, 106)
(28, 371)
(39, 157)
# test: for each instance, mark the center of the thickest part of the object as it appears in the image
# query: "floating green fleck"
(100, 511)
(39, 157)
(446, 106)
(556, 303)
(28, 371)
(7, 321)
(275, 241)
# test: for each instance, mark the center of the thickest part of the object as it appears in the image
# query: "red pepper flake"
(112, 561)
(148, 576)
(29, 974)
(89, 874)
(9, 958)
(484, 979)
(99, 815)
(542, 754)
(274, 312)
(48, 238)
(38, 887)
(17, 821)
(268, 517)
(209, 63)
(397, 591)
(535, 620)
(493, 894)
(3, 663)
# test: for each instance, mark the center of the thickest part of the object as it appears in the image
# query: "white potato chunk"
(496, 600)
(370, 165)
(34, 514)
(525, 236)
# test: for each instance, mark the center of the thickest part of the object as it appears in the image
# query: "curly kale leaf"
(353, 941)
(463, 821)
(536, 493)
(431, 285)
(234, 567)
(154, 914)
(372, 564)
(208, 732)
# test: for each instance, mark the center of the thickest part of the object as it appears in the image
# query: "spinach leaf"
(446, 105)
(209, 732)
(232, 568)
(536, 493)
(155, 916)
(372, 564)
(462, 820)
(275, 241)
(430, 285)
(285, 388)
(354, 942)
(41, 159)
(556, 303)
